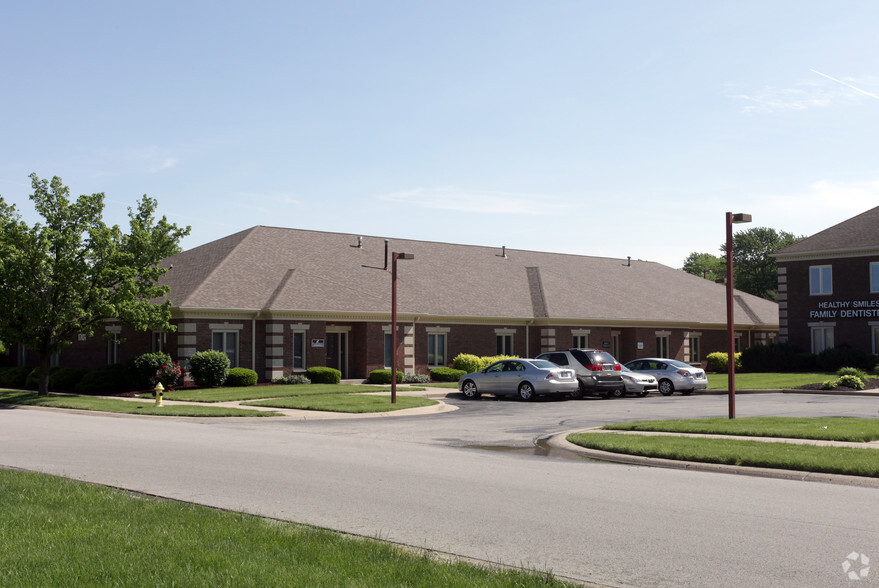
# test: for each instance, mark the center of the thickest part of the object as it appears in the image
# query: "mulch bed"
(872, 384)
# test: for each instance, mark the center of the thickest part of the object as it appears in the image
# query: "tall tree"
(705, 265)
(755, 271)
(68, 275)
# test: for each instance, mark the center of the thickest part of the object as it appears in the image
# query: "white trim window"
(159, 341)
(874, 278)
(504, 339)
(822, 338)
(661, 345)
(389, 349)
(820, 280)
(299, 350)
(580, 339)
(436, 349)
(227, 342)
(113, 348)
(695, 344)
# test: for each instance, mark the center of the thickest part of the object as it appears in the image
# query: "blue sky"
(607, 128)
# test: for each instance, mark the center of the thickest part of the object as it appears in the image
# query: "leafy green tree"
(67, 275)
(755, 271)
(705, 265)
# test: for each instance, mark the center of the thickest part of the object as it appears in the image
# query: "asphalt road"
(419, 481)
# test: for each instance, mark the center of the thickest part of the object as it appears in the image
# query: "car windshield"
(542, 363)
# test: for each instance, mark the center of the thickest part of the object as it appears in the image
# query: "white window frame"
(301, 335)
(819, 334)
(160, 341)
(820, 280)
(504, 341)
(580, 338)
(695, 344)
(224, 334)
(113, 349)
(438, 340)
(663, 344)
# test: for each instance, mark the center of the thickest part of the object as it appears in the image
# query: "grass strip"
(823, 428)
(786, 456)
(766, 381)
(125, 406)
(274, 391)
(57, 532)
(346, 403)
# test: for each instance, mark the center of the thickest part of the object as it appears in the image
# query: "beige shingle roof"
(289, 270)
(857, 233)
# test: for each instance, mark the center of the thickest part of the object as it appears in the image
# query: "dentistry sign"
(831, 309)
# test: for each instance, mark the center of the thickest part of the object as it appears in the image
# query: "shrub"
(719, 362)
(324, 375)
(60, 378)
(830, 384)
(145, 366)
(209, 368)
(831, 360)
(241, 377)
(383, 377)
(292, 379)
(104, 380)
(773, 357)
(466, 363)
(850, 371)
(849, 381)
(445, 374)
(14, 377)
(169, 374)
(416, 379)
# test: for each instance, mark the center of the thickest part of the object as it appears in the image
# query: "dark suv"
(597, 371)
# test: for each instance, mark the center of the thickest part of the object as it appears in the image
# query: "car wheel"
(470, 390)
(617, 392)
(526, 391)
(666, 388)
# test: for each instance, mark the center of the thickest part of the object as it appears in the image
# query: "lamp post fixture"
(730, 319)
(394, 257)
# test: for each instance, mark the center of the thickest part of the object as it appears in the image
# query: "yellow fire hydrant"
(159, 390)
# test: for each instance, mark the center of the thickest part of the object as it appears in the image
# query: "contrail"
(870, 94)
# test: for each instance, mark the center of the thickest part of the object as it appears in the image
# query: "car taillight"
(593, 367)
(617, 367)
(548, 376)
(685, 373)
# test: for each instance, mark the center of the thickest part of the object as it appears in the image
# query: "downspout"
(253, 344)
(528, 338)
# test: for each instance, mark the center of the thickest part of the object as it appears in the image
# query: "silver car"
(638, 383)
(526, 378)
(671, 374)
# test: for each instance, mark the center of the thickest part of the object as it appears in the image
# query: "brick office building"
(281, 300)
(828, 287)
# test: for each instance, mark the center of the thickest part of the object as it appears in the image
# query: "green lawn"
(114, 405)
(274, 391)
(832, 460)
(351, 403)
(768, 381)
(825, 428)
(57, 532)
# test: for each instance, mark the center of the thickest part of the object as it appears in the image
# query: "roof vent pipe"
(629, 264)
(504, 251)
(386, 254)
(360, 242)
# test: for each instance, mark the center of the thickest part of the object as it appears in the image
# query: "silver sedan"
(638, 383)
(526, 378)
(671, 374)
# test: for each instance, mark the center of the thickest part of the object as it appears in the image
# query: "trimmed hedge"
(446, 374)
(209, 368)
(471, 363)
(105, 380)
(292, 379)
(241, 377)
(324, 375)
(719, 362)
(15, 376)
(833, 359)
(145, 366)
(61, 379)
(383, 377)
(416, 379)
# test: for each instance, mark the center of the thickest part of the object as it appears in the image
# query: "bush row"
(472, 363)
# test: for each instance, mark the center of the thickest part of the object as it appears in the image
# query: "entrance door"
(337, 352)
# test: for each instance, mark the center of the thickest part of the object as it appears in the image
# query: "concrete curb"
(559, 441)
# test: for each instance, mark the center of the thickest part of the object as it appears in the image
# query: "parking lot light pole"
(394, 258)
(731, 219)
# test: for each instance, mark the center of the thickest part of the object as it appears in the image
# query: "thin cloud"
(463, 200)
(805, 95)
